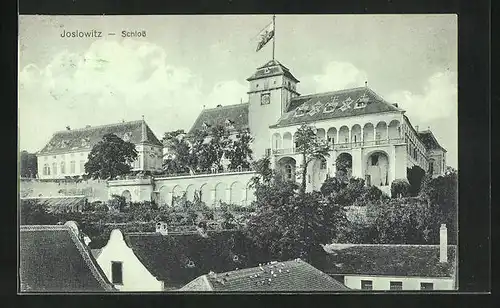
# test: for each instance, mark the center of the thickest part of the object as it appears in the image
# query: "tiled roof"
(286, 276)
(85, 138)
(54, 259)
(70, 203)
(389, 260)
(337, 104)
(272, 68)
(429, 140)
(236, 114)
(176, 259)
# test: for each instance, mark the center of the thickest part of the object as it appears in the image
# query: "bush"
(400, 188)
(117, 203)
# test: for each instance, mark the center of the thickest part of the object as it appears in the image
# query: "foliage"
(35, 213)
(400, 188)
(332, 185)
(289, 224)
(203, 150)
(117, 203)
(263, 171)
(310, 148)
(239, 152)
(29, 165)
(110, 157)
(415, 176)
(343, 165)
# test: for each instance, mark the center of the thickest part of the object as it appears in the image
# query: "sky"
(187, 63)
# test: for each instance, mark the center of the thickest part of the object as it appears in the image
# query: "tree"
(415, 176)
(239, 152)
(29, 165)
(110, 157)
(183, 159)
(218, 145)
(35, 213)
(399, 188)
(310, 147)
(343, 164)
(288, 223)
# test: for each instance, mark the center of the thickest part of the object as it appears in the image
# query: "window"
(63, 168)
(366, 285)
(374, 160)
(323, 164)
(265, 99)
(54, 168)
(116, 272)
(426, 286)
(288, 172)
(46, 169)
(72, 166)
(396, 285)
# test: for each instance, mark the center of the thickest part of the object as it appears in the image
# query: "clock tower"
(272, 87)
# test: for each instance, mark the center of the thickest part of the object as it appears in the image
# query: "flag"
(265, 35)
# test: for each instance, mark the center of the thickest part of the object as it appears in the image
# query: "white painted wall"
(136, 277)
(409, 283)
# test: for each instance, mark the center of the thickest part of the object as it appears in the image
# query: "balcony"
(346, 146)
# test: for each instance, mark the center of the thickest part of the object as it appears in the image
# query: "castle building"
(374, 137)
(67, 151)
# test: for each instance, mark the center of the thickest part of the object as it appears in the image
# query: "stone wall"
(93, 189)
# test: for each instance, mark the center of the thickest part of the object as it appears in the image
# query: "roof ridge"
(97, 126)
(328, 92)
(226, 106)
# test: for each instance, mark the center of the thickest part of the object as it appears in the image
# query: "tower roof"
(272, 68)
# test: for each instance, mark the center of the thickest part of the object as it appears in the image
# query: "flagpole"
(274, 34)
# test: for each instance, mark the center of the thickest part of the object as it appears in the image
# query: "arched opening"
(276, 141)
(320, 134)
(368, 133)
(205, 194)
(344, 134)
(343, 165)
(164, 193)
(127, 195)
(317, 172)
(220, 193)
(295, 140)
(287, 140)
(394, 130)
(190, 192)
(287, 167)
(332, 135)
(236, 193)
(356, 133)
(377, 169)
(177, 194)
(380, 132)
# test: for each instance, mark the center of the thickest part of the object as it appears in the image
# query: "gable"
(338, 104)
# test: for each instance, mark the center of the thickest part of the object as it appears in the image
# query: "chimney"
(68, 128)
(416, 128)
(161, 227)
(395, 105)
(443, 244)
(218, 106)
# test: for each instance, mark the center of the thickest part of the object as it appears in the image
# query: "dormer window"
(228, 123)
(126, 137)
(302, 110)
(205, 125)
(85, 142)
(331, 105)
(361, 102)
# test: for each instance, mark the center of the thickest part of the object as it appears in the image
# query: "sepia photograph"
(238, 153)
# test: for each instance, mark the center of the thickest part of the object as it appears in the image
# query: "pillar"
(213, 201)
(357, 163)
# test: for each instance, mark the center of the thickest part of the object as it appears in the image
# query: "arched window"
(72, 166)
(288, 172)
(46, 169)
(323, 164)
(63, 168)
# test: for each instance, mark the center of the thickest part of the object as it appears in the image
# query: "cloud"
(437, 108)
(438, 101)
(336, 76)
(109, 82)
